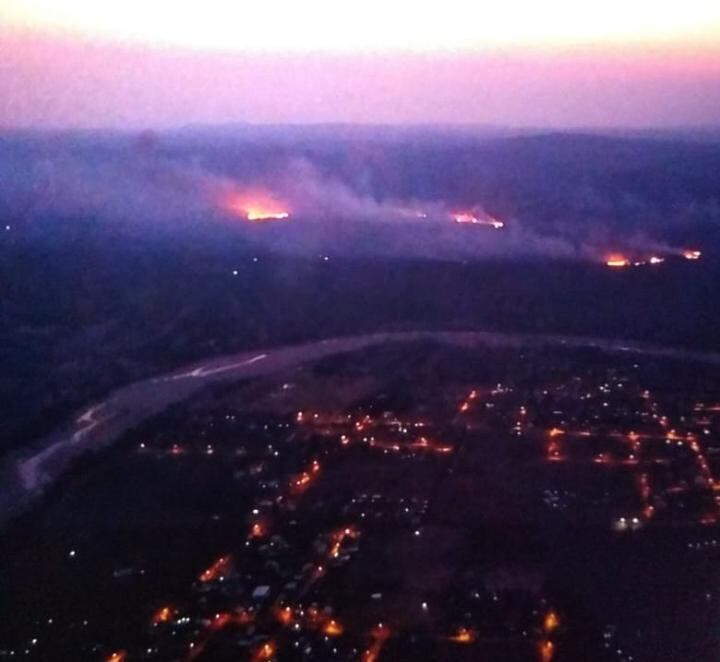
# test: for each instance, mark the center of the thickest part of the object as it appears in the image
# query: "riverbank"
(102, 423)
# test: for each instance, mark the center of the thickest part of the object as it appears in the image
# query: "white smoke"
(136, 185)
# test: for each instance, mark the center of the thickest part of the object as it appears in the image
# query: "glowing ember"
(656, 260)
(692, 255)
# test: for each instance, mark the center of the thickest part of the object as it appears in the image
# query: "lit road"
(102, 423)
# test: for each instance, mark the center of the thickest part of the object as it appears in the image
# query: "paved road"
(103, 423)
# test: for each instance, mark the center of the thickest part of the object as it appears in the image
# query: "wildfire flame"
(256, 207)
(617, 261)
(473, 219)
(262, 215)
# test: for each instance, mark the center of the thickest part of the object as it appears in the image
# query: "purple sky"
(92, 78)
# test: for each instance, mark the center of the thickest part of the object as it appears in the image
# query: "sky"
(557, 63)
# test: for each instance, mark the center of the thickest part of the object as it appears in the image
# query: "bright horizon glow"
(518, 63)
(372, 25)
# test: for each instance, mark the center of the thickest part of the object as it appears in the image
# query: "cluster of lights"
(379, 635)
(302, 481)
(218, 570)
(554, 450)
(331, 627)
(465, 404)
(310, 619)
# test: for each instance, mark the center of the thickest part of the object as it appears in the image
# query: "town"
(404, 502)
